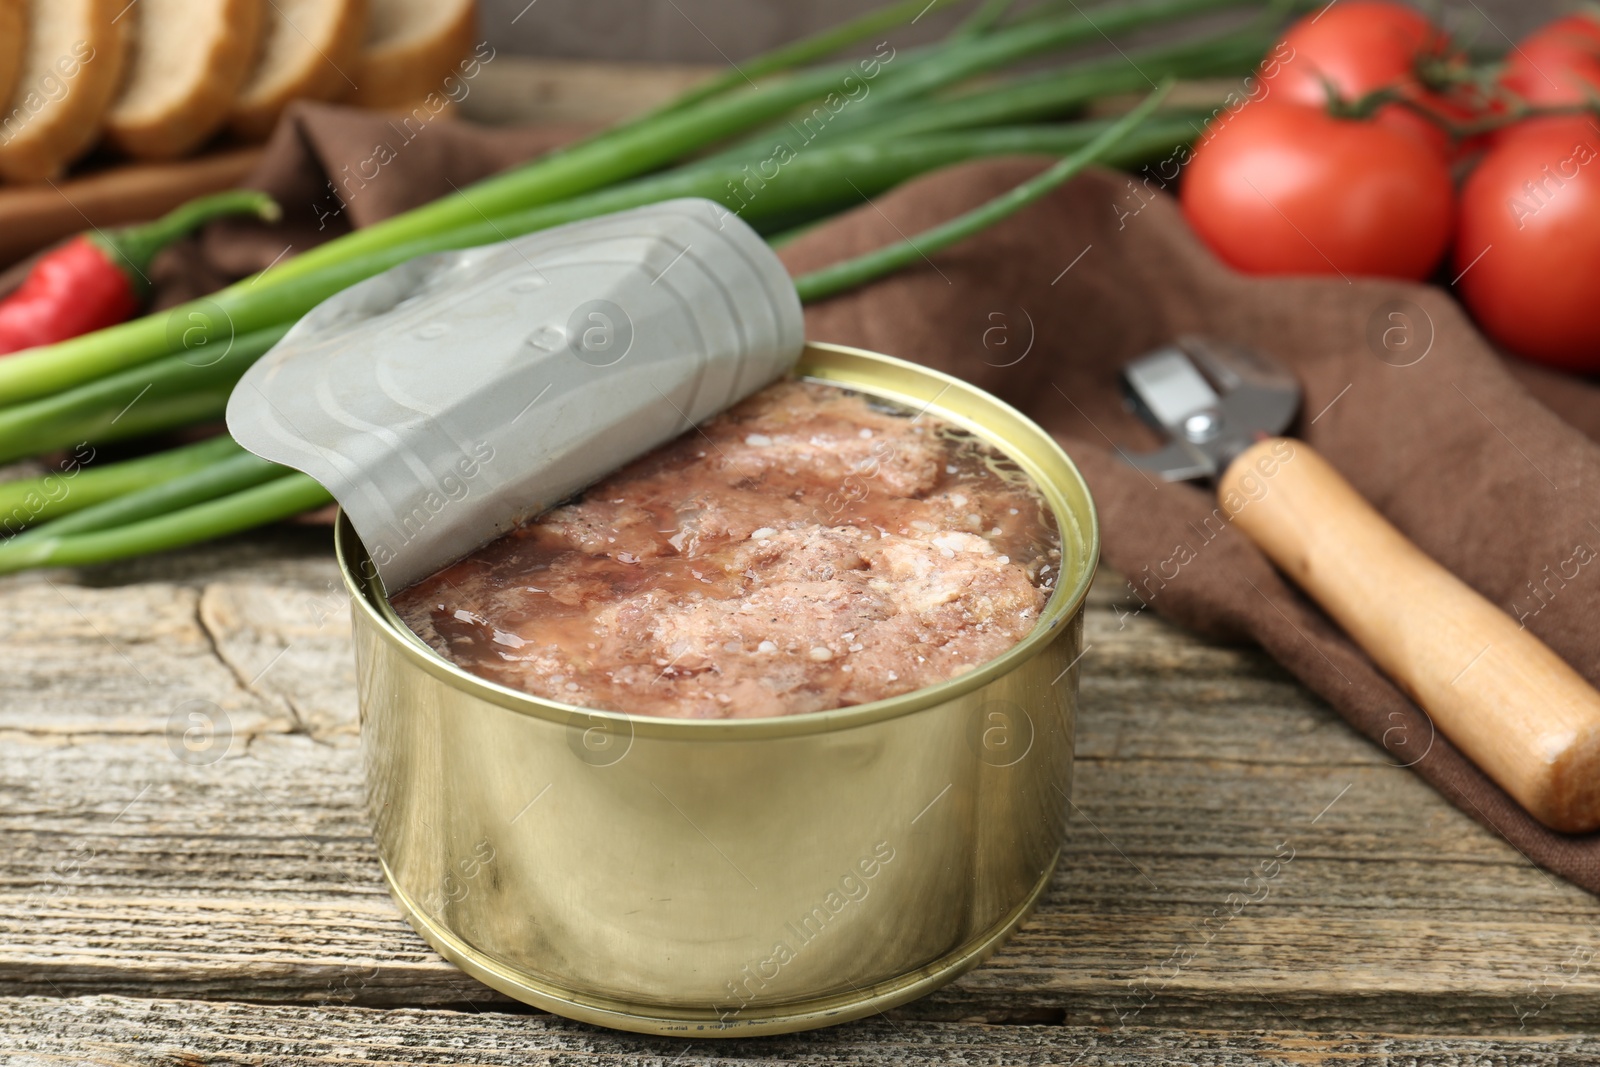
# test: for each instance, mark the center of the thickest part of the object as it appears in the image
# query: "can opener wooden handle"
(1513, 706)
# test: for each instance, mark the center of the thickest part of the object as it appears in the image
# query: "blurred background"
(709, 31)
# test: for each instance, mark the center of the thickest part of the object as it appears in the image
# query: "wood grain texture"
(33, 216)
(187, 1033)
(129, 871)
(511, 89)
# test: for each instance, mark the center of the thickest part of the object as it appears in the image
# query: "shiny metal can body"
(732, 877)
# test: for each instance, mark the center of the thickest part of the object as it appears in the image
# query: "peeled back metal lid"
(449, 398)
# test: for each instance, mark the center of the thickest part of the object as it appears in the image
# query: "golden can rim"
(954, 401)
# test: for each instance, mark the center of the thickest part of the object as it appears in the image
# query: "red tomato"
(1559, 63)
(1280, 188)
(1529, 242)
(1357, 46)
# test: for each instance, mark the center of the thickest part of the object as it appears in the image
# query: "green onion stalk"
(669, 137)
(1046, 95)
(233, 491)
(25, 502)
(165, 394)
(232, 471)
(989, 14)
(489, 210)
(180, 390)
(1054, 93)
(1012, 44)
(851, 273)
(826, 178)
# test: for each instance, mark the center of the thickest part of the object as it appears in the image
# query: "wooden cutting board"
(33, 216)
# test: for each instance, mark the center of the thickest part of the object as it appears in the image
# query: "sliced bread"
(71, 70)
(13, 40)
(412, 46)
(186, 63)
(309, 52)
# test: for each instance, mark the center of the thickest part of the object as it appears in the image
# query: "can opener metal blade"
(1207, 425)
(1513, 706)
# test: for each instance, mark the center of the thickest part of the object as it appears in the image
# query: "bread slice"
(412, 46)
(70, 71)
(309, 53)
(187, 60)
(13, 39)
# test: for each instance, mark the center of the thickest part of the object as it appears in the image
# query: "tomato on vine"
(1557, 64)
(1286, 188)
(1528, 251)
(1355, 47)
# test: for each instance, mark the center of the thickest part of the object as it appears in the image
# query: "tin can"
(732, 877)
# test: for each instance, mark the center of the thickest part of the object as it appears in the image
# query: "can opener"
(1517, 709)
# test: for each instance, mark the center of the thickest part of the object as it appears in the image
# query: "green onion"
(826, 176)
(161, 395)
(982, 20)
(288, 290)
(1053, 93)
(278, 499)
(839, 175)
(240, 491)
(928, 72)
(851, 273)
(830, 177)
(1041, 96)
(1014, 43)
(618, 156)
(241, 470)
(25, 502)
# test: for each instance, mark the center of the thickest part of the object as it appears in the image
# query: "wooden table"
(165, 910)
(158, 911)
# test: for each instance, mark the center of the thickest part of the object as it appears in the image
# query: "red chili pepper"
(98, 279)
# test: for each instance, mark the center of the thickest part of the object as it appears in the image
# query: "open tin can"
(732, 877)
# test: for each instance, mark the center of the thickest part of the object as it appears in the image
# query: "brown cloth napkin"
(1490, 466)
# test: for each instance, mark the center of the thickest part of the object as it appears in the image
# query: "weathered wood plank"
(130, 870)
(119, 1031)
(1183, 825)
(515, 89)
(1084, 968)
